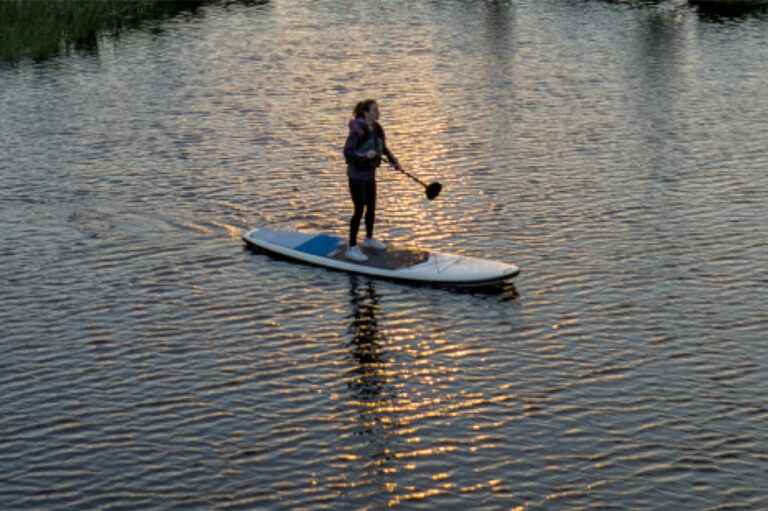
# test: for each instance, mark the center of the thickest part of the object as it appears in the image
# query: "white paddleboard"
(407, 264)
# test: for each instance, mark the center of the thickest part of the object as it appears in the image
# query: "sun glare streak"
(399, 380)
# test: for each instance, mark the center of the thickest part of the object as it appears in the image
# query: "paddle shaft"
(422, 183)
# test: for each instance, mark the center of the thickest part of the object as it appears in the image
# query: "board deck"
(399, 263)
(394, 258)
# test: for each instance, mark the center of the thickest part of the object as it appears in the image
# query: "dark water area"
(614, 151)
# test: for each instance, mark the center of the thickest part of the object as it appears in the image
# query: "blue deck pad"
(321, 245)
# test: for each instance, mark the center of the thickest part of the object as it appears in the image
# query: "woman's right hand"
(371, 154)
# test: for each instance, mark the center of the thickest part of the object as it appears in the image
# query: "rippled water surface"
(614, 151)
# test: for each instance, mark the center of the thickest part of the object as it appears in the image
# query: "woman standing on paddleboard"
(363, 152)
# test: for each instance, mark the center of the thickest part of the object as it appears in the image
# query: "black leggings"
(363, 197)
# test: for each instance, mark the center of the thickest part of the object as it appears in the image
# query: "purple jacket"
(360, 140)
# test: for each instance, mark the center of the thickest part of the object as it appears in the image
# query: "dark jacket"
(362, 139)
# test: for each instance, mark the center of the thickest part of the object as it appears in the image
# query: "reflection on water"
(412, 427)
(372, 395)
(368, 379)
(365, 337)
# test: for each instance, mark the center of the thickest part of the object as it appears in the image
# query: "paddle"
(432, 190)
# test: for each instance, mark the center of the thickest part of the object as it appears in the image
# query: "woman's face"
(373, 113)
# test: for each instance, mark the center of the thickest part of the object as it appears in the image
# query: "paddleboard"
(397, 263)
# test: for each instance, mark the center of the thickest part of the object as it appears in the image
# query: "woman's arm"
(391, 157)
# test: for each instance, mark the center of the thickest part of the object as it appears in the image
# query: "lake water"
(614, 151)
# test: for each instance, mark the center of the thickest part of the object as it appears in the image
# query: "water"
(614, 151)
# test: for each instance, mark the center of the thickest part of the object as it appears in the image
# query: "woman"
(363, 151)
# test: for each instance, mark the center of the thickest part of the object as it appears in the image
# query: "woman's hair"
(363, 106)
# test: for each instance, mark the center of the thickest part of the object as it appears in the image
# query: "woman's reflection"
(368, 377)
(372, 392)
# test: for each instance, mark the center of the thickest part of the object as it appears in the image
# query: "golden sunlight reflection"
(399, 387)
(422, 154)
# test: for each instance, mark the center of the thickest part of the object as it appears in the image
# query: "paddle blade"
(433, 190)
